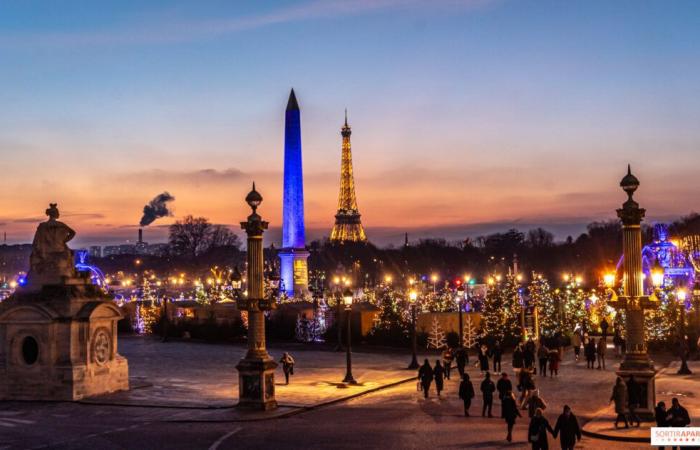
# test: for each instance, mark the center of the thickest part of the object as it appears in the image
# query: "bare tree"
(193, 236)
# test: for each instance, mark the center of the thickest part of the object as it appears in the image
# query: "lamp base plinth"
(256, 383)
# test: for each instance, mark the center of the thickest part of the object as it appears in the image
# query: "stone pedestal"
(60, 343)
(256, 378)
(645, 378)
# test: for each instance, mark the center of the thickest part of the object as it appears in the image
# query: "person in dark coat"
(537, 431)
(554, 359)
(525, 384)
(497, 354)
(487, 390)
(619, 396)
(590, 352)
(462, 358)
(542, 357)
(510, 413)
(439, 376)
(287, 366)
(483, 358)
(568, 429)
(518, 358)
(529, 355)
(604, 327)
(601, 348)
(678, 416)
(466, 393)
(425, 375)
(634, 396)
(447, 358)
(503, 386)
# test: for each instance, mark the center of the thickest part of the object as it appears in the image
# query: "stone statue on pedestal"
(58, 334)
(51, 261)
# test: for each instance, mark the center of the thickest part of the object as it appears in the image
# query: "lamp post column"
(683, 343)
(636, 361)
(414, 359)
(256, 371)
(347, 297)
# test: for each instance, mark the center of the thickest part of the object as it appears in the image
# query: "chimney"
(140, 236)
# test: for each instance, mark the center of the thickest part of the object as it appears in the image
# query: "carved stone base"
(256, 383)
(645, 377)
(59, 344)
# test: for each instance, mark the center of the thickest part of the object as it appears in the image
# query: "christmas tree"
(545, 304)
(501, 311)
(436, 337)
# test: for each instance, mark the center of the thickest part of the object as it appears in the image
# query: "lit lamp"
(412, 297)
(681, 296)
(236, 280)
(657, 276)
(347, 301)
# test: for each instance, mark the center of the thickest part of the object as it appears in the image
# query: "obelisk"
(293, 255)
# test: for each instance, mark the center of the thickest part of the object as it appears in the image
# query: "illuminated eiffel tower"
(348, 227)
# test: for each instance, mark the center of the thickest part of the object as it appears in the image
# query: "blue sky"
(463, 112)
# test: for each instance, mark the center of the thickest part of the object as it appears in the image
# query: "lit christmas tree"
(542, 297)
(501, 311)
(436, 337)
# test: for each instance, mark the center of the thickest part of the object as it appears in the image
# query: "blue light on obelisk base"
(293, 255)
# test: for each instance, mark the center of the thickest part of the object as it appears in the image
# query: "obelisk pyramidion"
(293, 255)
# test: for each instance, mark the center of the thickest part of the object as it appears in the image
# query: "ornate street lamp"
(347, 301)
(681, 296)
(256, 371)
(339, 311)
(412, 297)
(236, 280)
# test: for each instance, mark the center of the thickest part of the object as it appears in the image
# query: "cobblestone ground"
(396, 417)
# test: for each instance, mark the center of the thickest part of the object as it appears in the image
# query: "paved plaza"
(183, 395)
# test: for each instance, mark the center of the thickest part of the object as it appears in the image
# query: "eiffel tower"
(348, 227)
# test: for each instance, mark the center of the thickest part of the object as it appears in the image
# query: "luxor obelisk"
(293, 255)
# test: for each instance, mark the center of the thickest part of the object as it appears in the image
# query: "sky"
(468, 116)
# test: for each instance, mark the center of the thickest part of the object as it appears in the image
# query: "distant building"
(114, 250)
(95, 251)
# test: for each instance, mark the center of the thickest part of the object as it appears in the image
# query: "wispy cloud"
(174, 31)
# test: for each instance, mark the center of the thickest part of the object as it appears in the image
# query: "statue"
(51, 260)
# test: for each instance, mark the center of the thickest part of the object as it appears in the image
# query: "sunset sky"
(468, 116)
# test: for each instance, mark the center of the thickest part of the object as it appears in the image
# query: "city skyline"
(458, 128)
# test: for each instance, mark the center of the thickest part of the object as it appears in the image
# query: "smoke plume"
(156, 208)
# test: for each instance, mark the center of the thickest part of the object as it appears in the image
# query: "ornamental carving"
(102, 347)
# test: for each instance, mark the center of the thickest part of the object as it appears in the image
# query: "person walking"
(661, 416)
(287, 366)
(554, 358)
(447, 358)
(600, 351)
(503, 386)
(604, 327)
(568, 429)
(425, 375)
(529, 355)
(619, 396)
(462, 358)
(483, 358)
(535, 402)
(537, 431)
(634, 396)
(487, 390)
(497, 354)
(576, 344)
(590, 353)
(439, 376)
(617, 342)
(542, 357)
(510, 413)
(526, 385)
(518, 358)
(466, 393)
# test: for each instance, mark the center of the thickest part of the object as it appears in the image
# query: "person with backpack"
(287, 366)
(466, 393)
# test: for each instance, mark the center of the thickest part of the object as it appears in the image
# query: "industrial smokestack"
(140, 235)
